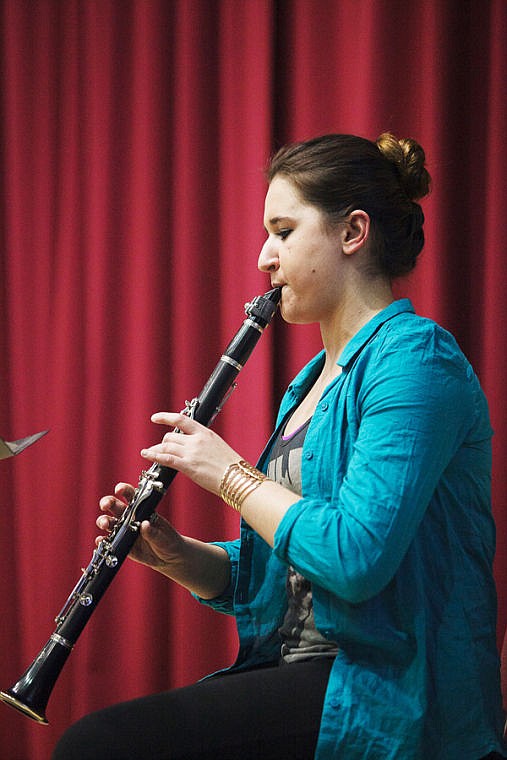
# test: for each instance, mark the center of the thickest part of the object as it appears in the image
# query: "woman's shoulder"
(418, 335)
(413, 349)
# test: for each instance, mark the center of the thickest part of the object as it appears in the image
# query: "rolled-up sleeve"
(225, 602)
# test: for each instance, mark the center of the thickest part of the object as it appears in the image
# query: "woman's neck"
(350, 316)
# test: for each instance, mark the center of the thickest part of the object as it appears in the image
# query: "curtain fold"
(134, 134)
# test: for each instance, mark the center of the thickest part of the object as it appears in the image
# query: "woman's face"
(301, 254)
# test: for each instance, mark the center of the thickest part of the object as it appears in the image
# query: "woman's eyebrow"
(277, 219)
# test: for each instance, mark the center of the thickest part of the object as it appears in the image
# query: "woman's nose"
(268, 257)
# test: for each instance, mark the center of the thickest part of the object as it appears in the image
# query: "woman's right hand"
(200, 567)
(159, 545)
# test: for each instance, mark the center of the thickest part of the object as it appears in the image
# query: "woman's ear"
(356, 231)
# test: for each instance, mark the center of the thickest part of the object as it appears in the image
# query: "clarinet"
(31, 693)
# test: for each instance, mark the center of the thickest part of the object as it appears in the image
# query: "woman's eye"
(283, 234)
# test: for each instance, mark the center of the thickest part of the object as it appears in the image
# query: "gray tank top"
(300, 639)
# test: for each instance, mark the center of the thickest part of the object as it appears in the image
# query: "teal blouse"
(395, 532)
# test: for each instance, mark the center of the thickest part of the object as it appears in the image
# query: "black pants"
(266, 713)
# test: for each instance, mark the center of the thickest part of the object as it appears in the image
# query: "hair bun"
(408, 157)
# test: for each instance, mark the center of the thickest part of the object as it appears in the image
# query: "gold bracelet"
(239, 480)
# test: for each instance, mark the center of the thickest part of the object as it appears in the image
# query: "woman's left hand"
(196, 451)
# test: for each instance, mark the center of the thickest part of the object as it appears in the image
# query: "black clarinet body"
(30, 694)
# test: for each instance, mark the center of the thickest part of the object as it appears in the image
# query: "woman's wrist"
(239, 480)
(201, 567)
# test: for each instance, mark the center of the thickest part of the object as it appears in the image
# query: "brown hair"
(340, 173)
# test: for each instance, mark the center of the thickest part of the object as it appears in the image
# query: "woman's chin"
(294, 316)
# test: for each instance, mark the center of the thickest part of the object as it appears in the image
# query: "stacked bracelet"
(240, 479)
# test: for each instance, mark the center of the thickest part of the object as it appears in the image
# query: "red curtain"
(133, 138)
